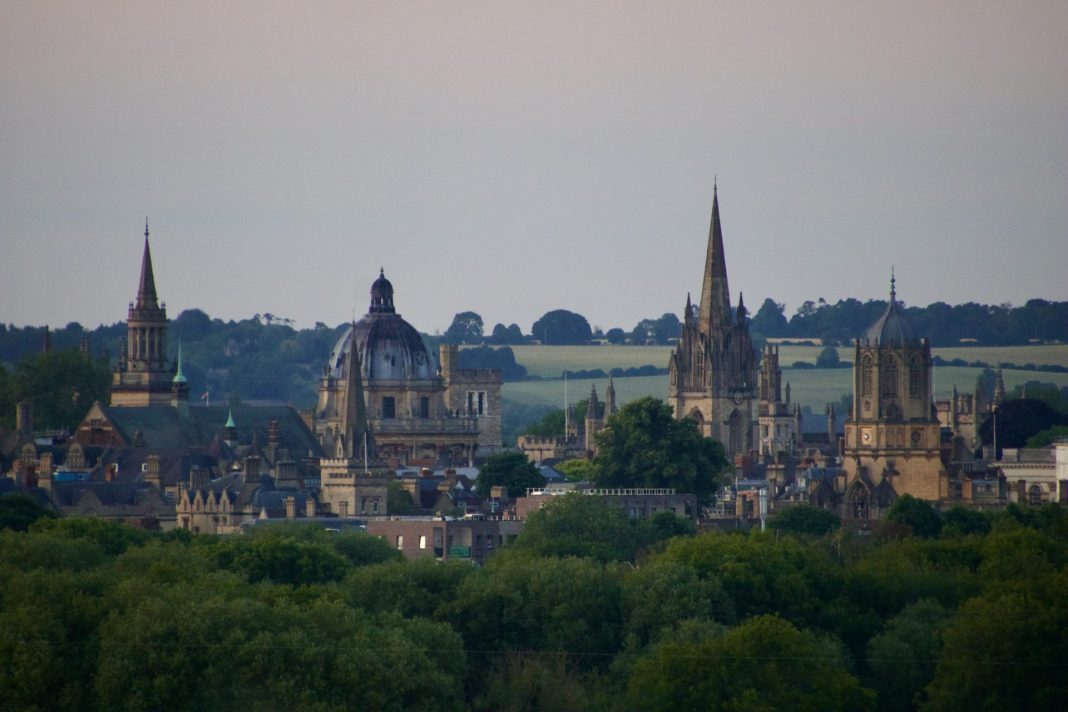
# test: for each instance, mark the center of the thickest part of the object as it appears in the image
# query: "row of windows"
(890, 377)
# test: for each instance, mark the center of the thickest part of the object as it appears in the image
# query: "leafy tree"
(960, 521)
(398, 500)
(562, 327)
(550, 425)
(661, 593)
(770, 321)
(1047, 436)
(525, 683)
(502, 358)
(289, 554)
(805, 519)
(580, 525)
(615, 336)
(511, 470)
(466, 328)
(900, 658)
(409, 588)
(1006, 648)
(644, 446)
(523, 602)
(828, 358)
(1019, 420)
(666, 328)
(576, 470)
(19, 511)
(510, 335)
(763, 664)
(61, 385)
(919, 515)
(663, 526)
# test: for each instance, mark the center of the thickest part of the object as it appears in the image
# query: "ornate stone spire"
(610, 398)
(146, 288)
(591, 408)
(354, 424)
(715, 294)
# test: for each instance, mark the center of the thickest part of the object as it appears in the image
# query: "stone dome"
(892, 328)
(389, 347)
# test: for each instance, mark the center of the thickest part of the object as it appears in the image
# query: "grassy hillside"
(812, 387)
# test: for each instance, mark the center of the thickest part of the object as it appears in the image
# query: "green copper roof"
(179, 377)
(230, 420)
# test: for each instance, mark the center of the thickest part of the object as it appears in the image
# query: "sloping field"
(551, 361)
(811, 386)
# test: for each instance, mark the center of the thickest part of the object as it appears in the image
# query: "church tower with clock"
(892, 438)
(713, 370)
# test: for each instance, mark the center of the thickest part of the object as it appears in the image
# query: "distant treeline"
(943, 324)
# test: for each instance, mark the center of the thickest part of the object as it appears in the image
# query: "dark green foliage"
(922, 518)
(805, 519)
(615, 336)
(511, 470)
(61, 385)
(19, 511)
(1006, 648)
(763, 664)
(510, 335)
(644, 446)
(828, 358)
(575, 615)
(550, 425)
(398, 500)
(1019, 420)
(579, 525)
(770, 321)
(1047, 436)
(901, 658)
(958, 521)
(562, 327)
(466, 328)
(486, 357)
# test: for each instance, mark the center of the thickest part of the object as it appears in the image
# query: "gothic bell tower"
(713, 371)
(143, 376)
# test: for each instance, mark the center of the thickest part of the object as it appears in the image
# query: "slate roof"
(163, 427)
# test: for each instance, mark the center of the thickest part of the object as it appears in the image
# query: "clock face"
(916, 437)
(866, 436)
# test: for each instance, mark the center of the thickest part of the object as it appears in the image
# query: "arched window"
(889, 377)
(1035, 495)
(915, 377)
(865, 376)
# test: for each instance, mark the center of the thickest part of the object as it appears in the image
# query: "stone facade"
(892, 438)
(713, 371)
(143, 375)
(415, 415)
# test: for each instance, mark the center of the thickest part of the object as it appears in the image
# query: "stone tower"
(713, 371)
(892, 441)
(143, 376)
(779, 434)
(593, 421)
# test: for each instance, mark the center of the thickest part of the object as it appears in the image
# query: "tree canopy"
(562, 327)
(466, 328)
(511, 470)
(644, 445)
(61, 385)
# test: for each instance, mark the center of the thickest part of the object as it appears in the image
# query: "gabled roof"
(164, 426)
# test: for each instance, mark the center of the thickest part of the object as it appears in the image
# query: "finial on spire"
(714, 182)
(146, 227)
(893, 284)
(381, 271)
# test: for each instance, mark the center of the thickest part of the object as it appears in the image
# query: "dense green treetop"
(466, 328)
(511, 470)
(562, 327)
(644, 445)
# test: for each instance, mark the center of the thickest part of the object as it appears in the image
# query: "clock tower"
(892, 435)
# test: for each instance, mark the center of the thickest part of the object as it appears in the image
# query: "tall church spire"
(146, 288)
(715, 306)
(354, 425)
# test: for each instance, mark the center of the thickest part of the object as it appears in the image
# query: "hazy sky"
(512, 158)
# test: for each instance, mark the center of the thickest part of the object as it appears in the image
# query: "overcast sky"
(512, 158)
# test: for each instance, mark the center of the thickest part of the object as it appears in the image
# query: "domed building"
(892, 436)
(416, 413)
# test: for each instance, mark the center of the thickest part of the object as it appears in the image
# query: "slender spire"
(146, 288)
(893, 285)
(355, 423)
(179, 377)
(610, 398)
(230, 419)
(591, 408)
(687, 314)
(715, 295)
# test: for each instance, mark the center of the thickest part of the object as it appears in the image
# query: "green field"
(811, 387)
